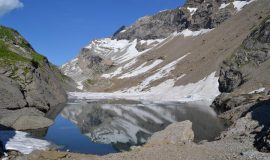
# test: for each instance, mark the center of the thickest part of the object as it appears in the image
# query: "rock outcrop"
(28, 81)
(245, 64)
(247, 111)
(176, 133)
(194, 15)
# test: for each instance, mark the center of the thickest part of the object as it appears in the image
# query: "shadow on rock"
(261, 113)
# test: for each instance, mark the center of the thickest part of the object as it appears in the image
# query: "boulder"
(31, 123)
(176, 133)
(8, 117)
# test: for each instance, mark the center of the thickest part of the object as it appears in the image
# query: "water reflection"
(126, 123)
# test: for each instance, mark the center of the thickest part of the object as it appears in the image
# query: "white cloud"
(9, 5)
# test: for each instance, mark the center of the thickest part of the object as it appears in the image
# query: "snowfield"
(203, 90)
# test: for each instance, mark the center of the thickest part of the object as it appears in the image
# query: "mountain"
(177, 52)
(29, 84)
(208, 50)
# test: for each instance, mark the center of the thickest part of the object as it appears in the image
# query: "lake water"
(107, 126)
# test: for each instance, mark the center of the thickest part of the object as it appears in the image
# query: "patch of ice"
(141, 69)
(240, 4)
(192, 10)
(20, 141)
(187, 32)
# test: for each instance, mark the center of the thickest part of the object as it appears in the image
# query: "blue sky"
(58, 29)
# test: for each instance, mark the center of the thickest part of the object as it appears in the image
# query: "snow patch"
(20, 141)
(240, 4)
(188, 33)
(192, 10)
(224, 5)
(161, 73)
(141, 69)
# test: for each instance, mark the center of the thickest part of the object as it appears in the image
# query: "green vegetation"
(90, 81)
(10, 35)
(10, 38)
(9, 56)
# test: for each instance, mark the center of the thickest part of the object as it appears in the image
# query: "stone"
(176, 133)
(31, 123)
(8, 117)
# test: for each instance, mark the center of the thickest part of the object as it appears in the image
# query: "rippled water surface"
(108, 126)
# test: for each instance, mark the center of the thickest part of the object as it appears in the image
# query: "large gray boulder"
(176, 133)
(31, 123)
(9, 117)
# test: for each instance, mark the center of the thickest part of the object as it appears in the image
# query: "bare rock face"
(194, 15)
(92, 63)
(160, 25)
(27, 79)
(10, 88)
(176, 133)
(248, 112)
(253, 53)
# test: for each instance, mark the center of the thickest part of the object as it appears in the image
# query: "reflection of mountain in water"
(130, 123)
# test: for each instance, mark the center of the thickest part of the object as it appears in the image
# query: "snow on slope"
(187, 32)
(237, 4)
(141, 69)
(205, 89)
(161, 73)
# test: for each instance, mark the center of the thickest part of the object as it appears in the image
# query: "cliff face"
(248, 66)
(27, 80)
(250, 62)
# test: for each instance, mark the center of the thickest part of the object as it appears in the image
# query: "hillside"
(177, 52)
(29, 84)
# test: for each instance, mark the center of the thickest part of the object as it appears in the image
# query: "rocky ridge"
(102, 60)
